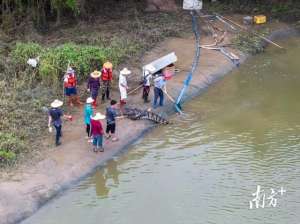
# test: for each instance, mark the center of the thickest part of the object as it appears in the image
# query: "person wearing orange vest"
(70, 83)
(106, 77)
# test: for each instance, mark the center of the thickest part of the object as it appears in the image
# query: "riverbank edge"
(197, 88)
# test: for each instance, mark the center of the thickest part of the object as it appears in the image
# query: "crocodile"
(138, 114)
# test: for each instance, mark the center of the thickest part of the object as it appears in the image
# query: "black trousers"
(106, 89)
(58, 134)
(146, 91)
(88, 130)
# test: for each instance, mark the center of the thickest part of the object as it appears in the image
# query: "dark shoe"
(101, 149)
(57, 143)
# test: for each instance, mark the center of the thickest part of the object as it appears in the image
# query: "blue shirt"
(159, 82)
(56, 114)
(88, 112)
(111, 115)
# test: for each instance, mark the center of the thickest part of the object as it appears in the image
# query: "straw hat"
(95, 74)
(89, 100)
(56, 104)
(125, 71)
(98, 116)
(70, 70)
(107, 65)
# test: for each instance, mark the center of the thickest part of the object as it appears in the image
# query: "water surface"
(243, 132)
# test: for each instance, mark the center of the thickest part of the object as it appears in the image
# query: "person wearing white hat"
(147, 75)
(93, 85)
(70, 85)
(97, 132)
(88, 113)
(123, 87)
(55, 114)
(159, 89)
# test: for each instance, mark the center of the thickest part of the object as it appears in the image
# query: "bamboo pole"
(170, 97)
(242, 27)
(137, 88)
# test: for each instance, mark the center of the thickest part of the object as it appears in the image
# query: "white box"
(192, 4)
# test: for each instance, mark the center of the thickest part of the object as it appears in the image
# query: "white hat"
(98, 116)
(56, 104)
(89, 100)
(125, 71)
(150, 68)
(95, 74)
(70, 70)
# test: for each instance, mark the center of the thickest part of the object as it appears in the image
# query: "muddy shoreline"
(67, 165)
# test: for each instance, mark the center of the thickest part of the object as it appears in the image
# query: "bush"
(85, 58)
(55, 60)
(23, 51)
(10, 145)
(7, 156)
(249, 43)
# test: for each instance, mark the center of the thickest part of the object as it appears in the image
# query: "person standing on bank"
(97, 132)
(88, 113)
(159, 88)
(123, 88)
(111, 115)
(147, 76)
(93, 86)
(55, 114)
(146, 86)
(70, 85)
(106, 78)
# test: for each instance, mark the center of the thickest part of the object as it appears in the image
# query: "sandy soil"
(32, 186)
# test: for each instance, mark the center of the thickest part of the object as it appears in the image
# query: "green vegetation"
(83, 34)
(25, 91)
(288, 10)
(54, 60)
(249, 43)
(8, 146)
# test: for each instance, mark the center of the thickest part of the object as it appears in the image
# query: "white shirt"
(159, 82)
(122, 83)
(147, 78)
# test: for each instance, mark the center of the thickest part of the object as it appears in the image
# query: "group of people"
(159, 78)
(104, 76)
(92, 119)
(94, 127)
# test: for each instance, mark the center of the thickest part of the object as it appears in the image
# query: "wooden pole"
(137, 88)
(242, 27)
(171, 98)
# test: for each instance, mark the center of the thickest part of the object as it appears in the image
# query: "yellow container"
(260, 19)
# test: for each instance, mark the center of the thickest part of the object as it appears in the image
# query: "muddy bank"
(22, 194)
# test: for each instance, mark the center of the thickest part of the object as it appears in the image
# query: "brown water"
(243, 132)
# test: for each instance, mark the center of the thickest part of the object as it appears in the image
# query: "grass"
(249, 43)
(122, 37)
(286, 10)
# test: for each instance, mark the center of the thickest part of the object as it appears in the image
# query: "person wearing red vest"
(70, 83)
(106, 77)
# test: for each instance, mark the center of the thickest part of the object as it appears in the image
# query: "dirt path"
(27, 190)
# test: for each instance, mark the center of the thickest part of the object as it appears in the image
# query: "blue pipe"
(194, 65)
